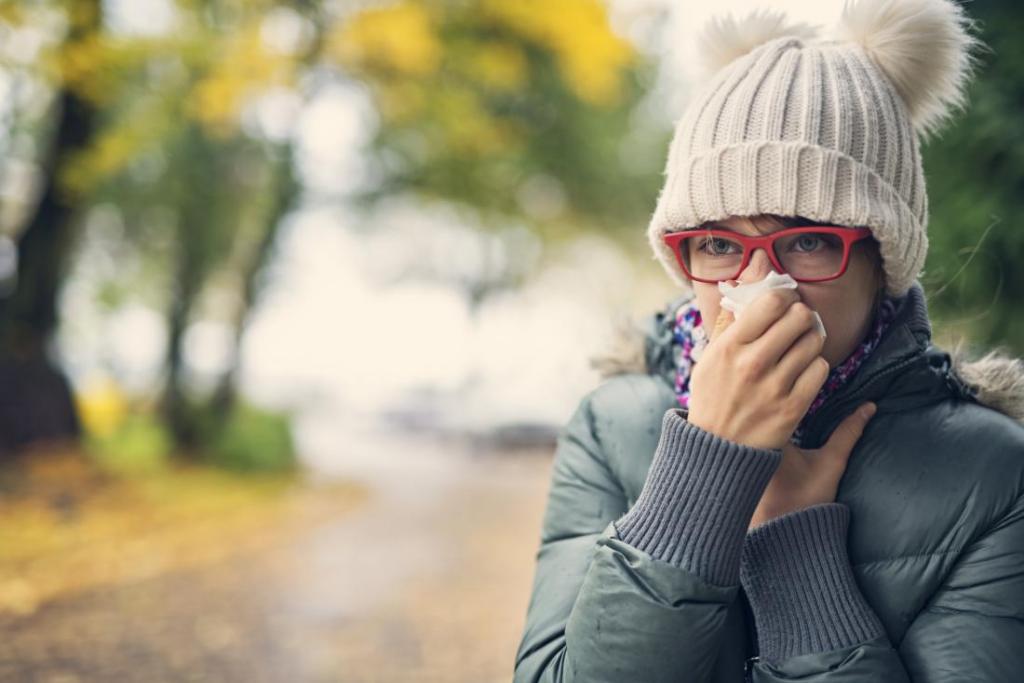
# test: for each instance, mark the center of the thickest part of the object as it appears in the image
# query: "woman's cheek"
(841, 338)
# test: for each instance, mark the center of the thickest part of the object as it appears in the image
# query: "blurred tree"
(224, 188)
(283, 197)
(512, 109)
(975, 173)
(517, 109)
(36, 402)
(285, 190)
(155, 131)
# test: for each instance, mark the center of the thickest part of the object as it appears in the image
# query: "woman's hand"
(810, 477)
(758, 376)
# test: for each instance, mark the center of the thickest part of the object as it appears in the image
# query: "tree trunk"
(192, 264)
(285, 192)
(36, 402)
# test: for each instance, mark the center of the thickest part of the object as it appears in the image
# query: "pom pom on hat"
(922, 46)
(724, 39)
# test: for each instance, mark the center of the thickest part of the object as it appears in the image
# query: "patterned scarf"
(689, 338)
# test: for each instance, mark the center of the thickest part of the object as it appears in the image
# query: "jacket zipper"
(753, 653)
(748, 669)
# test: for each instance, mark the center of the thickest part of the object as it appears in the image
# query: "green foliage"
(130, 441)
(975, 175)
(140, 444)
(252, 440)
(515, 108)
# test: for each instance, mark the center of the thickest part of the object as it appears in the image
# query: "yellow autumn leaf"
(501, 66)
(401, 101)
(243, 67)
(12, 14)
(113, 150)
(102, 407)
(469, 129)
(591, 57)
(401, 38)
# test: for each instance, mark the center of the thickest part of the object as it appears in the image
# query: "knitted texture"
(696, 504)
(798, 579)
(798, 127)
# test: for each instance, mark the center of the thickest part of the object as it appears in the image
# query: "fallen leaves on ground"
(67, 526)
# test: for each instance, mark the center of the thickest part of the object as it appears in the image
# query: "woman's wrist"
(696, 504)
(722, 433)
(766, 513)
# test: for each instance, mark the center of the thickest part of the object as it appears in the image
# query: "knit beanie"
(793, 121)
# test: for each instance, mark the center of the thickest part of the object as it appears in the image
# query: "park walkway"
(423, 576)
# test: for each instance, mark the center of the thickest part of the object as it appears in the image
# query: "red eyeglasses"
(815, 253)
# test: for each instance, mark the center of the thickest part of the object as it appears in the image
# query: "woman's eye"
(715, 246)
(809, 241)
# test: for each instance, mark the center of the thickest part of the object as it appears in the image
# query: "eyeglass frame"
(750, 243)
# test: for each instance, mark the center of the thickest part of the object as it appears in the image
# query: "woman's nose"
(758, 268)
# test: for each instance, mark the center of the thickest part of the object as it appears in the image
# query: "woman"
(726, 511)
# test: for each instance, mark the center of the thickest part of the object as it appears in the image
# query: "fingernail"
(868, 409)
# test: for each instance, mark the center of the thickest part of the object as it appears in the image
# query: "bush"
(138, 444)
(253, 439)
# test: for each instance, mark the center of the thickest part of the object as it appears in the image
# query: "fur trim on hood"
(625, 351)
(997, 378)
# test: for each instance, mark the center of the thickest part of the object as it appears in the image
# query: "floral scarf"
(689, 338)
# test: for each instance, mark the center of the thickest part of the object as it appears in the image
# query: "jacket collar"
(906, 370)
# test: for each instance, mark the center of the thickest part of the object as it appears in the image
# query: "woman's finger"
(809, 382)
(784, 333)
(849, 431)
(796, 359)
(761, 313)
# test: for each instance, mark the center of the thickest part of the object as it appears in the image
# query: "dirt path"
(427, 580)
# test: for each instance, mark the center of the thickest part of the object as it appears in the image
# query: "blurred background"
(295, 296)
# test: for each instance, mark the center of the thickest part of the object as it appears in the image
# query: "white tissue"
(735, 299)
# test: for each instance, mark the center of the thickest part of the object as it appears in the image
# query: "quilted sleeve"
(973, 627)
(647, 609)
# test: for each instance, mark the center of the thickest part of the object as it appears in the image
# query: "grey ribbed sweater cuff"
(696, 504)
(797, 576)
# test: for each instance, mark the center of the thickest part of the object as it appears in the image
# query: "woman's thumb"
(849, 431)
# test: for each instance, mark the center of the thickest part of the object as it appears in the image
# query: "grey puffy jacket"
(646, 571)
